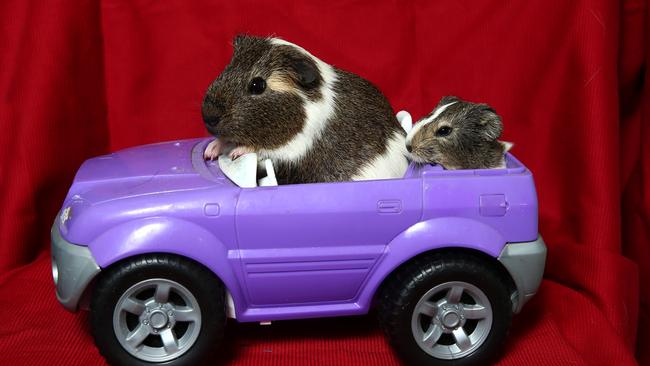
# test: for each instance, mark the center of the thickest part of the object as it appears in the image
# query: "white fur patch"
(391, 164)
(317, 113)
(418, 126)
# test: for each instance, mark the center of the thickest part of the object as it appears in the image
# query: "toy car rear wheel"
(157, 309)
(447, 309)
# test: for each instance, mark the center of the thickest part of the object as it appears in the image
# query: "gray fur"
(357, 131)
(472, 143)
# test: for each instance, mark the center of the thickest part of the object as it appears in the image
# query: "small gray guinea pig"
(317, 123)
(459, 135)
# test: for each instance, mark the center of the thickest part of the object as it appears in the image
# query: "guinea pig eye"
(257, 86)
(443, 131)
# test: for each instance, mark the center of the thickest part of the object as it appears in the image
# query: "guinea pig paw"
(239, 151)
(213, 150)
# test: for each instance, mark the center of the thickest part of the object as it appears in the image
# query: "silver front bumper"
(525, 262)
(73, 267)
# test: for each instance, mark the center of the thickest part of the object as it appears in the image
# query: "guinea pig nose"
(211, 120)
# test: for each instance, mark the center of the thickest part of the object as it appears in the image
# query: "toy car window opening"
(244, 170)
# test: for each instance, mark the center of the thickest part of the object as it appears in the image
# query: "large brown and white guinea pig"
(317, 123)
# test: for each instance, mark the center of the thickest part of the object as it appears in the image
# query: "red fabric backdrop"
(81, 78)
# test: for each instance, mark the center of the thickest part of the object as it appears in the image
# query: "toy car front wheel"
(446, 309)
(157, 309)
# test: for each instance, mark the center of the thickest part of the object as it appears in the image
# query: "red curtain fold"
(81, 78)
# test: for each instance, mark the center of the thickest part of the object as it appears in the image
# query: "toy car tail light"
(493, 205)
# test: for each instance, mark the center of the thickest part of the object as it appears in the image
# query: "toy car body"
(285, 252)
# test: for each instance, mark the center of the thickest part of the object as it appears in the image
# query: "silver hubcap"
(157, 320)
(452, 320)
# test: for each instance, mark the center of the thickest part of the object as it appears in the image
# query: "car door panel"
(309, 243)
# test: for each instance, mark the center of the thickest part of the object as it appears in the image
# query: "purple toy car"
(163, 247)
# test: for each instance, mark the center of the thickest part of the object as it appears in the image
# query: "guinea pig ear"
(487, 108)
(491, 122)
(506, 145)
(307, 73)
(238, 40)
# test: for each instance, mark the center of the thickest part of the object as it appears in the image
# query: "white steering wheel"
(243, 171)
(270, 179)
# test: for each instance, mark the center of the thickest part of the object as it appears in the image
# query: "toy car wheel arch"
(446, 309)
(157, 309)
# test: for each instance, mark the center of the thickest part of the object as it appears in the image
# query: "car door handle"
(389, 206)
(211, 209)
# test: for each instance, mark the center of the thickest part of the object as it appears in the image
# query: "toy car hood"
(148, 169)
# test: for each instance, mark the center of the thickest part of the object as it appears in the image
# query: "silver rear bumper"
(525, 262)
(73, 267)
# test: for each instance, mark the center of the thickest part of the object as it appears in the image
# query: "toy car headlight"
(55, 271)
(65, 215)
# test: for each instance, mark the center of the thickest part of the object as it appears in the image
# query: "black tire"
(430, 273)
(206, 289)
